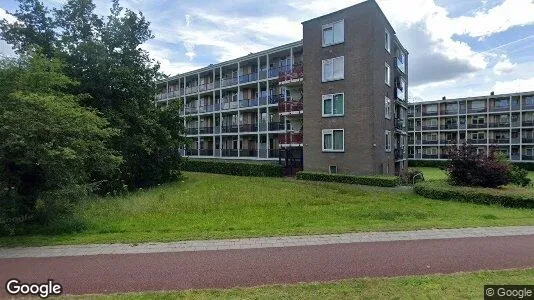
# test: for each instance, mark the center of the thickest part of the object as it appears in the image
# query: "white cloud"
(516, 85)
(163, 56)
(503, 66)
(6, 16)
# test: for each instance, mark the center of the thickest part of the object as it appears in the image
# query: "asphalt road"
(252, 267)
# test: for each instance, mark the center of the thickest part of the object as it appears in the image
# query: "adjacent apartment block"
(333, 102)
(505, 122)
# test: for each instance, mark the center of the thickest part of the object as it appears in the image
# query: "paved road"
(251, 267)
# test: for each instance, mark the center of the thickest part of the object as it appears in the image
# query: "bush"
(234, 168)
(518, 176)
(427, 163)
(407, 176)
(384, 181)
(508, 196)
(469, 168)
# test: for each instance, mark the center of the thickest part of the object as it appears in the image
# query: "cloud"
(503, 66)
(164, 55)
(4, 15)
(512, 86)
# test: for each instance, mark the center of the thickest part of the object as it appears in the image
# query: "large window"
(388, 108)
(388, 141)
(333, 33)
(388, 41)
(334, 69)
(333, 105)
(333, 140)
(387, 71)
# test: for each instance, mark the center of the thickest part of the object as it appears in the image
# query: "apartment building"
(503, 122)
(346, 82)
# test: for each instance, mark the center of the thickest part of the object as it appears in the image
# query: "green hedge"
(234, 168)
(509, 196)
(386, 181)
(427, 163)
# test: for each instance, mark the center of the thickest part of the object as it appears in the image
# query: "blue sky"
(458, 48)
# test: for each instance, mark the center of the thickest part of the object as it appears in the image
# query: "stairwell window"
(387, 74)
(333, 33)
(388, 140)
(388, 41)
(333, 140)
(388, 108)
(333, 69)
(333, 105)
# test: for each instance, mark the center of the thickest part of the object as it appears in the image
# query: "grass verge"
(455, 286)
(211, 206)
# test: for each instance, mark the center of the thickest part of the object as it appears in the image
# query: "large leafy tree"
(51, 148)
(105, 57)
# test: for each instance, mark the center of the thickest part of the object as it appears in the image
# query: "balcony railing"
(297, 72)
(229, 152)
(248, 153)
(477, 141)
(528, 123)
(449, 126)
(274, 153)
(499, 124)
(449, 111)
(191, 110)
(430, 113)
(191, 152)
(206, 130)
(499, 141)
(430, 127)
(205, 152)
(430, 156)
(527, 157)
(290, 106)
(230, 128)
(248, 127)
(528, 140)
(500, 108)
(290, 139)
(228, 81)
(447, 141)
(430, 142)
(248, 77)
(515, 156)
(476, 110)
(248, 103)
(191, 131)
(483, 125)
(275, 72)
(276, 126)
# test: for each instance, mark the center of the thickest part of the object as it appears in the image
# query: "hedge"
(443, 163)
(233, 168)
(509, 196)
(385, 181)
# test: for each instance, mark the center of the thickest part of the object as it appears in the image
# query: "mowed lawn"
(454, 286)
(208, 206)
(438, 174)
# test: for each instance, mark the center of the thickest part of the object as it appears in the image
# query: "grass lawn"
(455, 286)
(209, 206)
(437, 174)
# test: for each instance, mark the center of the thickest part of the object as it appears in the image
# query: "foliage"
(234, 168)
(427, 163)
(507, 196)
(384, 181)
(51, 148)
(105, 56)
(410, 175)
(469, 168)
(518, 176)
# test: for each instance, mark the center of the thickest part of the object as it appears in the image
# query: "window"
(333, 33)
(387, 74)
(529, 100)
(334, 69)
(388, 41)
(333, 105)
(388, 108)
(332, 169)
(388, 141)
(333, 140)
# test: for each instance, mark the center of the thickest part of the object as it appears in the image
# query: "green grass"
(437, 174)
(209, 206)
(455, 286)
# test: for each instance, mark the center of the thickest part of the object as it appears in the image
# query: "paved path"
(400, 254)
(270, 242)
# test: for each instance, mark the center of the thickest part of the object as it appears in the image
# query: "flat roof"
(471, 98)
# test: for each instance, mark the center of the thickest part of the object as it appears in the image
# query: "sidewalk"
(264, 242)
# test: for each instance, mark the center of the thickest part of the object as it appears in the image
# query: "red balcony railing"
(289, 106)
(290, 138)
(296, 73)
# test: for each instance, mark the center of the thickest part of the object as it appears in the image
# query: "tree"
(105, 57)
(51, 148)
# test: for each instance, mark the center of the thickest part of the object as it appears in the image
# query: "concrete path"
(259, 266)
(269, 242)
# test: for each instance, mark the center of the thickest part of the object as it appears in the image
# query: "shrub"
(508, 196)
(469, 168)
(385, 181)
(427, 163)
(234, 168)
(518, 176)
(407, 176)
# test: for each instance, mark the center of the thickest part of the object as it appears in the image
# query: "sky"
(458, 48)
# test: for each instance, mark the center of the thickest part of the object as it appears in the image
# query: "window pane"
(339, 32)
(327, 70)
(386, 70)
(339, 68)
(327, 142)
(327, 106)
(387, 40)
(338, 140)
(338, 104)
(328, 36)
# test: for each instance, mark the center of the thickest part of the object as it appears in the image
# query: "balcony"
(499, 141)
(477, 141)
(430, 156)
(229, 152)
(399, 154)
(191, 131)
(499, 124)
(191, 152)
(191, 89)
(191, 110)
(275, 72)
(483, 125)
(449, 111)
(411, 113)
(205, 152)
(291, 139)
(275, 99)
(449, 126)
(295, 75)
(500, 108)
(228, 81)
(476, 109)
(290, 107)
(274, 153)
(248, 127)
(230, 128)
(528, 123)
(430, 113)
(276, 126)
(430, 142)
(248, 77)
(528, 140)
(430, 127)
(248, 153)
(206, 130)
(527, 157)
(243, 103)
(447, 141)
(399, 124)
(225, 105)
